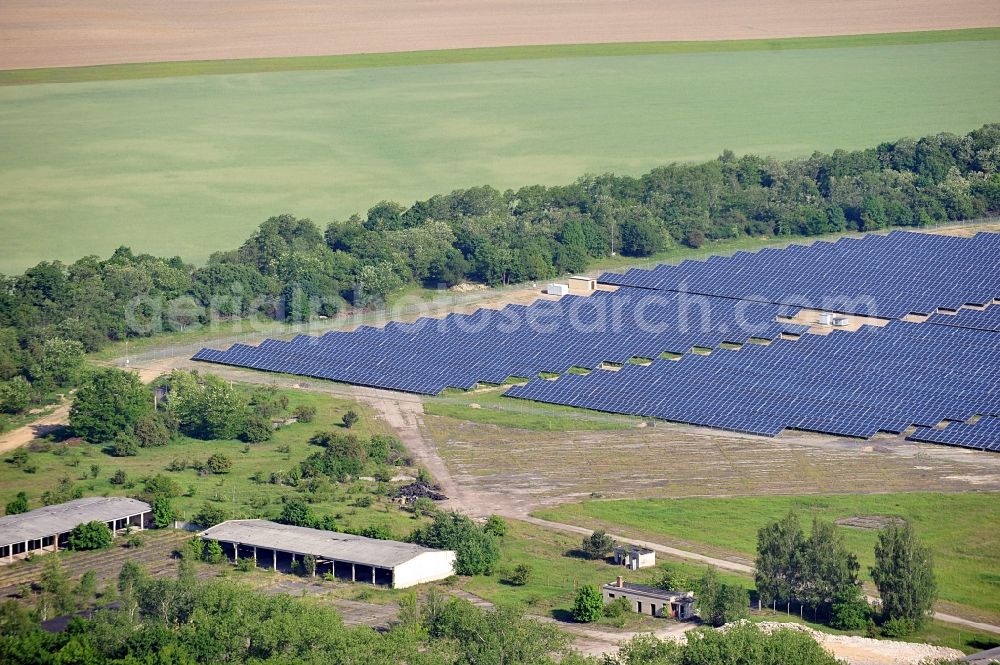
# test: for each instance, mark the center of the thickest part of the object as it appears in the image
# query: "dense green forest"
(291, 269)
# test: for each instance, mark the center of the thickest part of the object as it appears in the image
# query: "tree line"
(186, 621)
(819, 572)
(292, 269)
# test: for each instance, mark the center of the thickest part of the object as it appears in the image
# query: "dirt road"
(66, 33)
(24, 435)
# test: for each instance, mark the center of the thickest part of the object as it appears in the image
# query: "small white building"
(557, 289)
(634, 557)
(579, 284)
(348, 557)
(651, 600)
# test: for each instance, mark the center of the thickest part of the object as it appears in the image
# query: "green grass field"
(235, 491)
(493, 408)
(959, 528)
(191, 164)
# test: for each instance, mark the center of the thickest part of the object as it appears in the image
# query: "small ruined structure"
(651, 600)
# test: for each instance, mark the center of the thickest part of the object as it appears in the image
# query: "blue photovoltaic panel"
(848, 384)
(984, 434)
(887, 276)
(985, 319)
(519, 340)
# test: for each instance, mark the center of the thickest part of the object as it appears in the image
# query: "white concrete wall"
(426, 567)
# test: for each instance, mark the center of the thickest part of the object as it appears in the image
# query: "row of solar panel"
(849, 384)
(979, 319)
(518, 341)
(984, 434)
(888, 276)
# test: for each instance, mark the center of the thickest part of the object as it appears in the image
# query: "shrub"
(589, 604)
(617, 608)
(134, 542)
(305, 414)
(177, 464)
(163, 512)
(125, 445)
(209, 515)
(257, 430)
(195, 549)
(520, 575)
(219, 463)
(476, 551)
(15, 395)
(495, 526)
(598, 545)
(897, 627)
(850, 609)
(383, 475)
(90, 536)
(18, 505)
(119, 477)
(151, 431)
(213, 552)
(245, 564)
(350, 419)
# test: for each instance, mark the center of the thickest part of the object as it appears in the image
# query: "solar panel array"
(984, 434)
(888, 276)
(977, 319)
(851, 384)
(848, 384)
(518, 341)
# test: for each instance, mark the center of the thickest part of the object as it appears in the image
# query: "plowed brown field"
(59, 33)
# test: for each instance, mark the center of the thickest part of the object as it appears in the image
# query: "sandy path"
(24, 435)
(58, 33)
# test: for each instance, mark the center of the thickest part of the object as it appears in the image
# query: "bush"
(520, 575)
(850, 609)
(598, 545)
(350, 419)
(15, 395)
(125, 445)
(589, 604)
(477, 552)
(495, 526)
(110, 403)
(90, 536)
(151, 431)
(163, 512)
(213, 552)
(18, 505)
(897, 627)
(209, 515)
(383, 475)
(119, 477)
(257, 430)
(305, 414)
(617, 608)
(134, 542)
(245, 564)
(177, 464)
(219, 463)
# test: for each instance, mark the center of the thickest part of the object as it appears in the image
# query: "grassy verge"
(355, 505)
(475, 55)
(490, 407)
(557, 574)
(959, 528)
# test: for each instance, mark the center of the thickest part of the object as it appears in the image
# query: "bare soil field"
(521, 470)
(64, 33)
